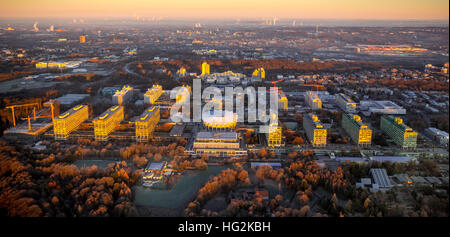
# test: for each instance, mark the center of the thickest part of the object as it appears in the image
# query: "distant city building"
(259, 74)
(313, 100)
(402, 135)
(82, 39)
(315, 131)
(58, 65)
(69, 121)
(146, 123)
(345, 103)
(107, 122)
(359, 132)
(182, 72)
(153, 94)
(437, 135)
(205, 68)
(123, 96)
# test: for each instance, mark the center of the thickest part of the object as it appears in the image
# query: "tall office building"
(82, 39)
(359, 132)
(315, 131)
(153, 94)
(146, 123)
(345, 103)
(69, 121)
(402, 135)
(205, 68)
(123, 96)
(107, 122)
(313, 100)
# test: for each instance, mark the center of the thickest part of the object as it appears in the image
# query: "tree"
(304, 210)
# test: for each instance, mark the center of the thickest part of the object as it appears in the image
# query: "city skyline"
(201, 9)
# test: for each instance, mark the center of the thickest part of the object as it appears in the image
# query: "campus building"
(402, 135)
(315, 131)
(107, 122)
(69, 121)
(312, 100)
(358, 131)
(218, 144)
(153, 94)
(146, 123)
(345, 103)
(274, 137)
(123, 96)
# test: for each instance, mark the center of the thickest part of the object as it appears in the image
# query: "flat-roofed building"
(123, 96)
(437, 135)
(69, 121)
(360, 133)
(381, 107)
(402, 135)
(345, 103)
(313, 100)
(218, 144)
(153, 94)
(381, 178)
(146, 123)
(107, 122)
(315, 131)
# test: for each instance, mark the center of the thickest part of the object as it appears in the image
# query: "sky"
(230, 9)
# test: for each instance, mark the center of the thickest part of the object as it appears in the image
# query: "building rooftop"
(393, 158)
(147, 114)
(69, 99)
(217, 135)
(71, 111)
(108, 113)
(381, 178)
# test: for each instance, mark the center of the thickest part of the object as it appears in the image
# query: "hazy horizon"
(400, 10)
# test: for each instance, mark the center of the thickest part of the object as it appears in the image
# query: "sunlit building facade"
(205, 68)
(400, 133)
(345, 103)
(107, 122)
(153, 94)
(360, 133)
(123, 96)
(316, 133)
(146, 123)
(282, 100)
(69, 121)
(274, 137)
(223, 144)
(313, 100)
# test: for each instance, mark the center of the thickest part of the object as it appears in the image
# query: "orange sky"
(302, 9)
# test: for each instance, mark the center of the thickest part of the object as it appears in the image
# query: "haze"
(202, 9)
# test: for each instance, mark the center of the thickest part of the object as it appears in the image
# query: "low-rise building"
(400, 133)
